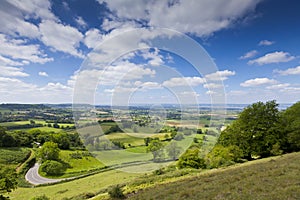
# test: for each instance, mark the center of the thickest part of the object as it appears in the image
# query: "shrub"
(191, 159)
(52, 167)
(116, 192)
(223, 156)
(195, 140)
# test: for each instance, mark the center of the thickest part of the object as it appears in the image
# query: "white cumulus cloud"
(212, 85)
(43, 74)
(258, 82)
(8, 71)
(92, 38)
(199, 17)
(183, 81)
(19, 49)
(278, 86)
(289, 71)
(220, 75)
(275, 57)
(249, 54)
(265, 43)
(61, 37)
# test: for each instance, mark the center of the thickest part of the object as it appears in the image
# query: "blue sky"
(47, 45)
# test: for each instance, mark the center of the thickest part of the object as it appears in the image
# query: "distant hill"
(22, 106)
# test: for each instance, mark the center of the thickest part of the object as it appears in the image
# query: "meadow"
(91, 184)
(37, 121)
(78, 163)
(269, 178)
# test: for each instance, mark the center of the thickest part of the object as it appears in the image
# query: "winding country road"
(33, 177)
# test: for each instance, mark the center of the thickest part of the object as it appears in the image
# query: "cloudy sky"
(49, 49)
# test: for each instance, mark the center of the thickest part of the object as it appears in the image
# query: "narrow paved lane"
(33, 177)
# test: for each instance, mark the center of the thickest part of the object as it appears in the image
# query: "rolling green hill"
(271, 178)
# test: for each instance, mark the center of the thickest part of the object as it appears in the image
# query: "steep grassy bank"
(271, 178)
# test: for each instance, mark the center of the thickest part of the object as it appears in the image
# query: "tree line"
(37, 137)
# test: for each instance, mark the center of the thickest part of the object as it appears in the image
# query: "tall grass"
(272, 178)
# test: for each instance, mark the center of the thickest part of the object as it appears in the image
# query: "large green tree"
(49, 151)
(8, 180)
(62, 140)
(256, 131)
(291, 127)
(173, 150)
(6, 140)
(155, 147)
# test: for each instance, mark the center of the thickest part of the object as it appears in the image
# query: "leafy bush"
(159, 171)
(52, 167)
(116, 192)
(191, 159)
(223, 156)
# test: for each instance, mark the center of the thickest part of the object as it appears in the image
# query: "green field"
(138, 151)
(116, 157)
(96, 130)
(134, 139)
(7, 124)
(90, 184)
(186, 123)
(83, 164)
(44, 128)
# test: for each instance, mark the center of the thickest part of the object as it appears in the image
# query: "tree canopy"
(290, 121)
(261, 130)
(8, 180)
(49, 151)
(155, 147)
(256, 130)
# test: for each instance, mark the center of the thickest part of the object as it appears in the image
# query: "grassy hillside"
(88, 185)
(271, 178)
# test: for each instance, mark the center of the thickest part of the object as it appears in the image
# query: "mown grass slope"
(271, 178)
